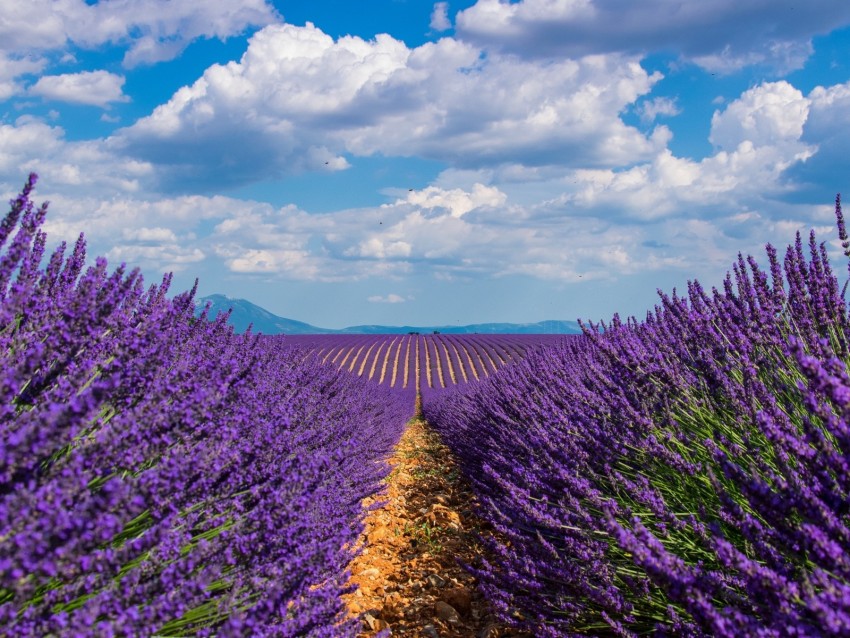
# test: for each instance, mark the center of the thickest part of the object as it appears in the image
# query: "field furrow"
(432, 363)
(385, 361)
(448, 365)
(365, 360)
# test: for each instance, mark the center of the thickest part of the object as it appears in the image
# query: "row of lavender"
(428, 362)
(686, 475)
(160, 475)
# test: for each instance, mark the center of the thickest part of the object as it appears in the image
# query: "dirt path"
(408, 577)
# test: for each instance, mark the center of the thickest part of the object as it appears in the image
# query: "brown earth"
(408, 578)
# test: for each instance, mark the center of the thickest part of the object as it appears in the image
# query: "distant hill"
(541, 327)
(245, 313)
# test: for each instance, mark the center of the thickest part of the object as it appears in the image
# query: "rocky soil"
(408, 577)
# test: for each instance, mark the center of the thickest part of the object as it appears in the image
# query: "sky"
(412, 162)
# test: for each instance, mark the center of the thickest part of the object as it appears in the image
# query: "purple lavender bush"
(160, 475)
(684, 475)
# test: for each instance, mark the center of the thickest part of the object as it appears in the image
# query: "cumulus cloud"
(758, 138)
(720, 35)
(828, 128)
(97, 88)
(255, 239)
(440, 17)
(563, 223)
(390, 298)
(298, 100)
(768, 114)
(70, 167)
(290, 264)
(649, 110)
(545, 181)
(382, 247)
(671, 213)
(169, 257)
(13, 67)
(146, 234)
(153, 30)
(140, 229)
(457, 202)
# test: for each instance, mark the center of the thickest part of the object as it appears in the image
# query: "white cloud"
(759, 138)
(720, 35)
(162, 258)
(561, 223)
(545, 179)
(97, 88)
(249, 238)
(13, 67)
(783, 56)
(293, 264)
(132, 223)
(456, 201)
(298, 100)
(145, 234)
(440, 17)
(649, 110)
(830, 110)
(24, 143)
(75, 168)
(390, 298)
(154, 30)
(382, 248)
(38, 25)
(828, 128)
(667, 214)
(768, 114)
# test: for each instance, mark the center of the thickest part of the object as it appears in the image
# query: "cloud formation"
(440, 17)
(649, 110)
(758, 137)
(456, 202)
(152, 30)
(97, 88)
(827, 127)
(298, 100)
(719, 35)
(76, 168)
(558, 223)
(543, 178)
(12, 68)
(771, 113)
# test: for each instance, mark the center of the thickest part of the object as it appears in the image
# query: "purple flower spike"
(160, 474)
(687, 475)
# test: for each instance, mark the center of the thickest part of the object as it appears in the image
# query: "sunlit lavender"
(160, 474)
(686, 474)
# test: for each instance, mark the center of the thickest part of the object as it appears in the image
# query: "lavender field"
(162, 475)
(429, 362)
(682, 475)
(686, 474)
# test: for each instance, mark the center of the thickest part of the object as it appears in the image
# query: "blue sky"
(429, 163)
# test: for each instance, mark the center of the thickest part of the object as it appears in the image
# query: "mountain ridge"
(245, 313)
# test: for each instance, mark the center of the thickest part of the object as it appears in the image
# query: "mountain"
(245, 313)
